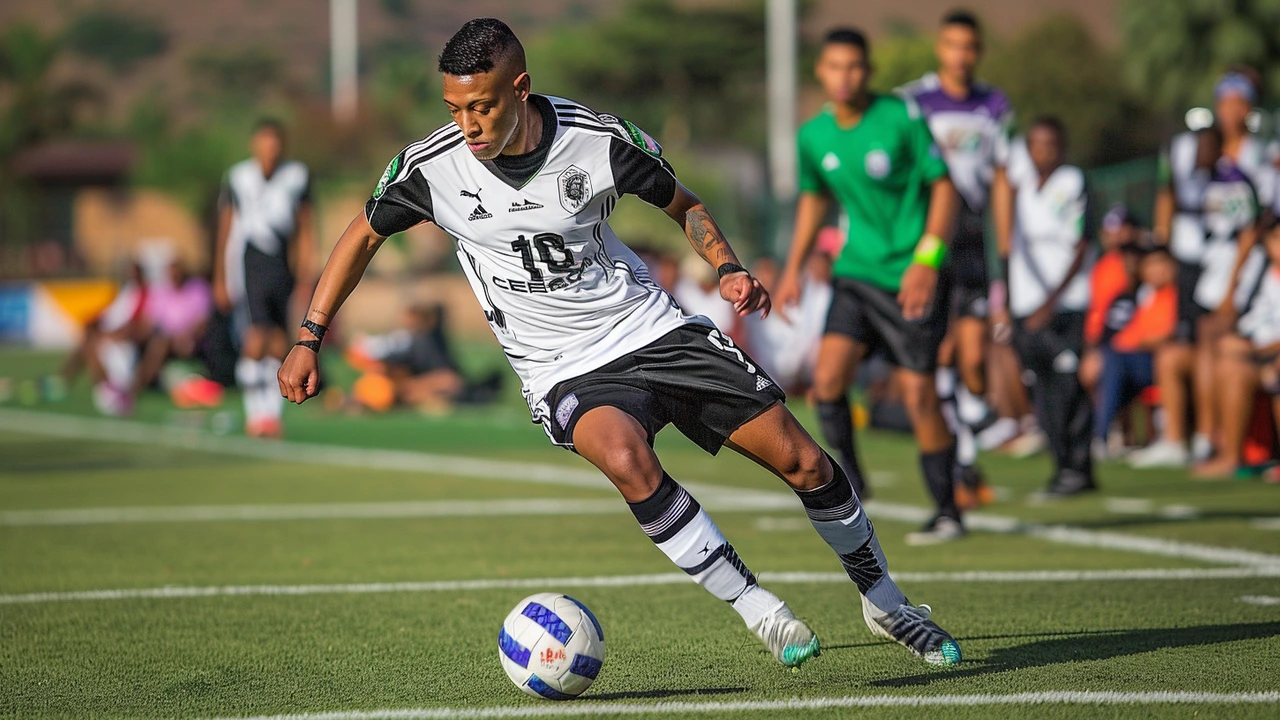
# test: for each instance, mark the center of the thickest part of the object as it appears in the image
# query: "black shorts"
(268, 285)
(694, 377)
(1189, 311)
(872, 316)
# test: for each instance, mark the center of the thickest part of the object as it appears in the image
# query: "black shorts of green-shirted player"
(874, 154)
(487, 90)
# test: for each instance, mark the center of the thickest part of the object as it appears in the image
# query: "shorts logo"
(830, 162)
(564, 412)
(725, 343)
(877, 164)
(762, 382)
(575, 188)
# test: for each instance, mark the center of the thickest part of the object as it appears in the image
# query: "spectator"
(1048, 294)
(788, 350)
(1249, 360)
(176, 315)
(1212, 291)
(1136, 323)
(120, 322)
(1113, 276)
(698, 292)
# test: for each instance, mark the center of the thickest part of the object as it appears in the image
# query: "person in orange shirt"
(1140, 322)
(1114, 274)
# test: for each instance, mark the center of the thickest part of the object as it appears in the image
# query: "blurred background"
(118, 118)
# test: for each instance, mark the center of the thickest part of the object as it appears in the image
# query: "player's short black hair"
(479, 46)
(274, 125)
(847, 36)
(1051, 123)
(962, 17)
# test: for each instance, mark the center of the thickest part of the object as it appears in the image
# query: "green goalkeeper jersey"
(880, 171)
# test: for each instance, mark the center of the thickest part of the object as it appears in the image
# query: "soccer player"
(875, 155)
(971, 121)
(1048, 295)
(265, 240)
(526, 183)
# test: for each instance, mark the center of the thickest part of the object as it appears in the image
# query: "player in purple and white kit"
(526, 183)
(971, 122)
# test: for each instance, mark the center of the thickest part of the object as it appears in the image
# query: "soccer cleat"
(909, 625)
(940, 530)
(789, 639)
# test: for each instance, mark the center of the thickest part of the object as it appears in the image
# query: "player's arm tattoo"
(706, 238)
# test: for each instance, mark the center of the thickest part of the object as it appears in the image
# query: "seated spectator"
(698, 292)
(1136, 323)
(177, 315)
(1113, 275)
(414, 367)
(788, 350)
(108, 351)
(1248, 360)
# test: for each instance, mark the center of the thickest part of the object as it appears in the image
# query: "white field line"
(1267, 600)
(588, 707)
(142, 433)
(608, 581)
(1266, 523)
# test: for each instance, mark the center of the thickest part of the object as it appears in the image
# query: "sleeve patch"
(393, 168)
(642, 139)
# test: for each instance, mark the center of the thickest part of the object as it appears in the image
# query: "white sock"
(972, 409)
(270, 401)
(247, 378)
(966, 446)
(118, 360)
(754, 603)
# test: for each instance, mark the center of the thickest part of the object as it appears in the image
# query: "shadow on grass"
(642, 694)
(1085, 646)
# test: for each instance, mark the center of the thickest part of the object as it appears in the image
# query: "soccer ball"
(551, 646)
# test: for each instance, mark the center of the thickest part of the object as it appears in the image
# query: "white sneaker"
(1160, 454)
(1030, 443)
(941, 530)
(789, 639)
(1201, 448)
(998, 433)
(909, 625)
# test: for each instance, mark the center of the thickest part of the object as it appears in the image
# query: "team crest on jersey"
(392, 168)
(830, 162)
(575, 188)
(878, 164)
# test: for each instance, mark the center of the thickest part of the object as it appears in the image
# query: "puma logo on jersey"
(479, 213)
(522, 206)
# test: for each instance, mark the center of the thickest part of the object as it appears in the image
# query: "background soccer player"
(265, 240)
(1048, 295)
(526, 184)
(971, 122)
(875, 155)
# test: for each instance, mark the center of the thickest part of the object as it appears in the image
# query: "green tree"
(115, 39)
(1175, 49)
(36, 107)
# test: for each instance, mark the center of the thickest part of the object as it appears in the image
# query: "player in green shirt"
(874, 154)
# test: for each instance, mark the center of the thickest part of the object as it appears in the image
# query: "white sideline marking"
(1266, 600)
(774, 578)
(1266, 523)
(1129, 506)
(589, 707)
(142, 433)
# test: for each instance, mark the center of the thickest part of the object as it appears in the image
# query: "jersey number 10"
(548, 246)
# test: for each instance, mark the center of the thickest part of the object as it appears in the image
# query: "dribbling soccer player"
(526, 183)
(875, 155)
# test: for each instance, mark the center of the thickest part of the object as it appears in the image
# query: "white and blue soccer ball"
(551, 646)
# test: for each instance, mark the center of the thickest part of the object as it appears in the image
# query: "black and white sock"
(837, 429)
(836, 514)
(937, 468)
(681, 529)
(949, 390)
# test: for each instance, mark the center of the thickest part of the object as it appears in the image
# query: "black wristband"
(312, 345)
(729, 269)
(315, 329)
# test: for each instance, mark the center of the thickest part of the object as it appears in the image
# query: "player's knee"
(918, 394)
(633, 467)
(828, 383)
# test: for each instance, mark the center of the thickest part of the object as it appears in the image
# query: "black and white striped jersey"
(264, 212)
(562, 294)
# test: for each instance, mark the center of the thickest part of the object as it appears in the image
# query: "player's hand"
(787, 294)
(919, 283)
(746, 293)
(1001, 326)
(299, 376)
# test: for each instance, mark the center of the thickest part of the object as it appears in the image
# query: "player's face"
(843, 72)
(1045, 148)
(958, 50)
(486, 107)
(267, 147)
(1231, 111)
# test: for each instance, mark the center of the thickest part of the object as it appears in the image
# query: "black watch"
(729, 269)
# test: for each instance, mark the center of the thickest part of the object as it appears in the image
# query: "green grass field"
(150, 568)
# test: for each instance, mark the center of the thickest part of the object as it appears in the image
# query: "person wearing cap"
(1212, 183)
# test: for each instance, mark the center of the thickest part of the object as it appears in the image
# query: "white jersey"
(1188, 234)
(562, 294)
(1048, 230)
(264, 212)
(1261, 323)
(973, 133)
(1228, 206)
